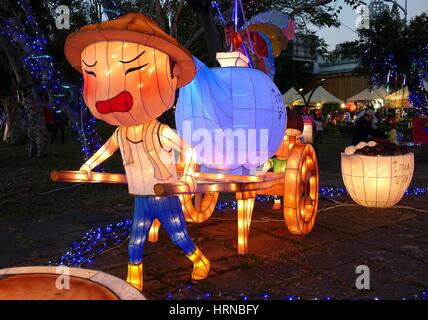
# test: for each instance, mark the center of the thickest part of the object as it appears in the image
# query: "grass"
(23, 181)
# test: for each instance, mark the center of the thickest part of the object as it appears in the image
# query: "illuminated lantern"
(351, 107)
(236, 114)
(41, 283)
(377, 181)
(131, 70)
(292, 135)
(232, 59)
(308, 129)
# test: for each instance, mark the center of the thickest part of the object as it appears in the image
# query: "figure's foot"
(276, 204)
(135, 276)
(201, 265)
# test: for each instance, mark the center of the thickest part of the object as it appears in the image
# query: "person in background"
(319, 130)
(58, 125)
(419, 135)
(348, 119)
(363, 128)
(328, 119)
(49, 118)
(392, 131)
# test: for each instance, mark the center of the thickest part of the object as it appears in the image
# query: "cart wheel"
(301, 189)
(202, 209)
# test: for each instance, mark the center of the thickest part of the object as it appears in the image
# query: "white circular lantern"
(234, 117)
(377, 181)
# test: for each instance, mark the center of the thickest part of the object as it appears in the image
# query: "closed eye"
(135, 68)
(91, 73)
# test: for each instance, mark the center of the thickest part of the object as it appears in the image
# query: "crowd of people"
(366, 125)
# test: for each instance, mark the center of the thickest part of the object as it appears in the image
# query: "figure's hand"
(266, 167)
(87, 169)
(190, 182)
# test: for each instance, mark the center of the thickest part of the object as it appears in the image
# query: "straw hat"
(131, 27)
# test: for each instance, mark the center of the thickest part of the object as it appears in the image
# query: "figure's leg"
(140, 228)
(171, 217)
(276, 203)
(154, 231)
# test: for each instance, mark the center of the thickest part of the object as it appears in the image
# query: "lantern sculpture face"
(377, 181)
(234, 117)
(125, 83)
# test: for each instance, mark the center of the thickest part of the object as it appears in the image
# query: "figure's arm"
(102, 154)
(171, 140)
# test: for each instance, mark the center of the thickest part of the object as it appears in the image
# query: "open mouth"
(120, 103)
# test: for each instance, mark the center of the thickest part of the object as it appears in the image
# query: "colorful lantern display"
(131, 70)
(307, 133)
(236, 114)
(63, 283)
(293, 136)
(376, 181)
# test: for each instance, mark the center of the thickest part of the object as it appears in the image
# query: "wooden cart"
(298, 185)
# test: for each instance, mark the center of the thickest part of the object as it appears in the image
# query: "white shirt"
(140, 173)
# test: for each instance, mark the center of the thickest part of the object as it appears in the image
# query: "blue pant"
(170, 214)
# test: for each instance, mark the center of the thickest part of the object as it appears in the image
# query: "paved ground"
(393, 243)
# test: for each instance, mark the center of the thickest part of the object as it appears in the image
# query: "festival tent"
(367, 95)
(398, 99)
(320, 96)
(290, 96)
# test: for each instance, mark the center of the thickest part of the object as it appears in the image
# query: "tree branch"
(160, 15)
(200, 31)
(177, 19)
(309, 5)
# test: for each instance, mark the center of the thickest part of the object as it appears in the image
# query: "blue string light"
(216, 6)
(42, 69)
(420, 295)
(101, 239)
(97, 240)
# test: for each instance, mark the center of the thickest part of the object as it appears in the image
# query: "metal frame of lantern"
(298, 185)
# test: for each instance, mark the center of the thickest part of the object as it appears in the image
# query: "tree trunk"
(15, 124)
(206, 19)
(37, 133)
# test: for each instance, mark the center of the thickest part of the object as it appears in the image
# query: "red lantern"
(351, 107)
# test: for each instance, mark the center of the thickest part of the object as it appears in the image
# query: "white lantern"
(377, 181)
(232, 59)
(307, 133)
(234, 117)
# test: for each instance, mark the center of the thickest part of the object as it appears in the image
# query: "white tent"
(398, 99)
(321, 96)
(367, 95)
(290, 96)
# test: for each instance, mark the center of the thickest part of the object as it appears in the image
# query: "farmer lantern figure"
(131, 70)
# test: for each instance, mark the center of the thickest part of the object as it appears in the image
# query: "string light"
(177, 294)
(42, 69)
(215, 5)
(100, 239)
(418, 96)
